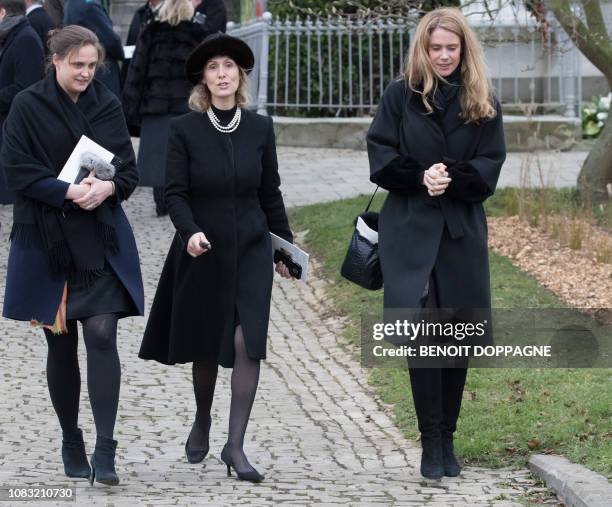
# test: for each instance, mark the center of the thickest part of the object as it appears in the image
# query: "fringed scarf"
(43, 129)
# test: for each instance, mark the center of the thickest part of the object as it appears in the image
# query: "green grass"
(504, 410)
(532, 203)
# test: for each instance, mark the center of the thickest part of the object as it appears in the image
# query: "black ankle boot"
(451, 466)
(196, 455)
(431, 460)
(73, 454)
(103, 462)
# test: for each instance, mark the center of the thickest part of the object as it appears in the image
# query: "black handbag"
(361, 264)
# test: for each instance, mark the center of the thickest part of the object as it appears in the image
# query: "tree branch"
(594, 45)
(594, 16)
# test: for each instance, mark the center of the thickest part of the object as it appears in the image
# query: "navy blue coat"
(22, 63)
(29, 267)
(32, 291)
(91, 14)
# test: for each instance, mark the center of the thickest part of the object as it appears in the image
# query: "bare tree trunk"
(596, 171)
(589, 32)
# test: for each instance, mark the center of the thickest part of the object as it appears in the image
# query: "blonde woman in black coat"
(437, 144)
(157, 90)
(212, 303)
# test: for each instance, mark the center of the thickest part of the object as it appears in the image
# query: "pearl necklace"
(230, 127)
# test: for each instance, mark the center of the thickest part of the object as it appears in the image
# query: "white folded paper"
(297, 255)
(128, 52)
(366, 232)
(71, 168)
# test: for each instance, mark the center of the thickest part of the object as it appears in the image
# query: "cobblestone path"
(317, 431)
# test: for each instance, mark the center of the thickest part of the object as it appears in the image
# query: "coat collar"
(451, 120)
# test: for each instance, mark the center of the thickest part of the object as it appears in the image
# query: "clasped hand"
(91, 192)
(436, 179)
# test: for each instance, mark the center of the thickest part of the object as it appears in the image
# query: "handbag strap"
(371, 199)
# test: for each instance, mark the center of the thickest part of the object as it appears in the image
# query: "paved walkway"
(317, 431)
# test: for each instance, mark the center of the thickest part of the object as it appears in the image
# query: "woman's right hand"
(194, 247)
(436, 179)
(77, 191)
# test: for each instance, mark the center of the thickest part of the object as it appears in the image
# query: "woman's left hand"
(282, 270)
(99, 191)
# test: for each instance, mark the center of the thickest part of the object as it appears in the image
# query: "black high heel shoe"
(74, 456)
(197, 455)
(251, 476)
(103, 462)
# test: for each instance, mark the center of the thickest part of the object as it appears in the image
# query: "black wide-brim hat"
(218, 44)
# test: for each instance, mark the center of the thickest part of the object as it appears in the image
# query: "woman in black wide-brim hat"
(212, 303)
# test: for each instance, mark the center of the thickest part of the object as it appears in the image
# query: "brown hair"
(63, 41)
(476, 93)
(201, 99)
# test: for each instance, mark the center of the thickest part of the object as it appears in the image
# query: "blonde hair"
(175, 11)
(200, 98)
(476, 93)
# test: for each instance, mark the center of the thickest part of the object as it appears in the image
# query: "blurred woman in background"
(156, 88)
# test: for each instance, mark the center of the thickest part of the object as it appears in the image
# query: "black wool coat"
(420, 234)
(226, 186)
(22, 63)
(142, 16)
(41, 22)
(216, 15)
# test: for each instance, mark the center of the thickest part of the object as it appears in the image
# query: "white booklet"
(297, 255)
(366, 232)
(128, 52)
(71, 168)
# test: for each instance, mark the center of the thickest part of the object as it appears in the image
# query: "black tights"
(245, 377)
(103, 373)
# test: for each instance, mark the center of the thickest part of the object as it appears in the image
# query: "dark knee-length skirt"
(106, 295)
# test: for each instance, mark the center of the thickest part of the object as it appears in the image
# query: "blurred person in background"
(142, 16)
(92, 15)
(157, 89)
(55, 9)
(214, 15)
(40, 20)
(22, 63)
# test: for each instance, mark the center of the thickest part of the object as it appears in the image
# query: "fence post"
(567, 73)
(262, 95)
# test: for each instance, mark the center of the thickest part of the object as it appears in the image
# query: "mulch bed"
(576, 276)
